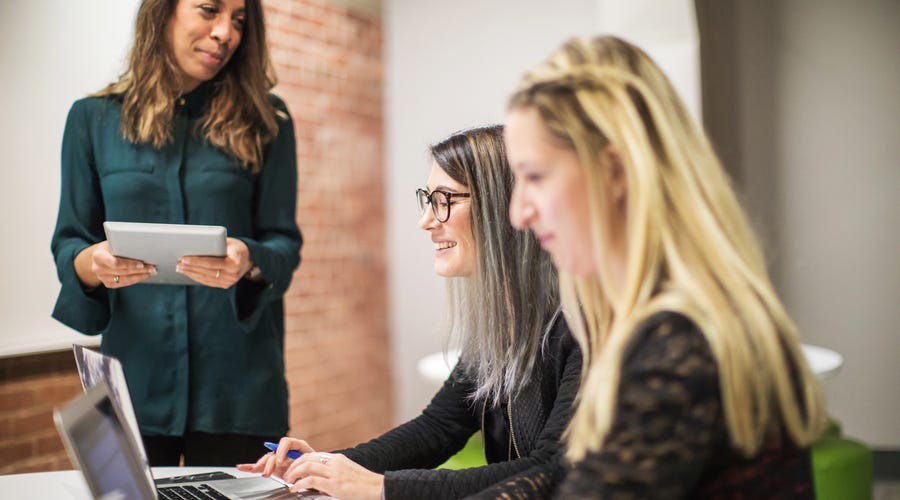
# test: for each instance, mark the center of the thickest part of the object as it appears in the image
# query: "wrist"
(254, 274)
(84, 269)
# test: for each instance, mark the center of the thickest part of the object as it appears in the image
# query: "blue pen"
(274, 446)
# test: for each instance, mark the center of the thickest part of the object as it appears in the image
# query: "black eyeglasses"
(440, 202)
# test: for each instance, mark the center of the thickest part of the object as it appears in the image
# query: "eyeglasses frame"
(449, 196)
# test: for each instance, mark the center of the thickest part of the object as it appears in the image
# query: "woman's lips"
(212, 58)
(443, 246)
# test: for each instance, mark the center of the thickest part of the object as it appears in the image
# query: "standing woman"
(519, 369)
(697, 386)
(188, 135)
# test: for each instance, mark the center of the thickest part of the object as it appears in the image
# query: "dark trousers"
(201, 449)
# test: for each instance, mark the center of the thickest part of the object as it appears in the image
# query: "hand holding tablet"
(163, 245)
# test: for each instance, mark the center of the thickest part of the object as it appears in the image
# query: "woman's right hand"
(95, 265)
(277, 462)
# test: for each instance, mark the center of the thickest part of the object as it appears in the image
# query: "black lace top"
(668, 437)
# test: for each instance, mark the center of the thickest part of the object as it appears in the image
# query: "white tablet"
(163, 245)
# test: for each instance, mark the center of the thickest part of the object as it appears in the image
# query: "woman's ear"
(618, 181)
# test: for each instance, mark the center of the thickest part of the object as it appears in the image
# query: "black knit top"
(539, 414)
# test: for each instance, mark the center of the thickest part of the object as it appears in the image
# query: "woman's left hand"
(334, 475)
(218, 272)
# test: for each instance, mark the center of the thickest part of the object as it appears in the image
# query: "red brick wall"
(30, 386)
(329, 64)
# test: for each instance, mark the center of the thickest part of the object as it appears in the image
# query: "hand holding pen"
(274, 447)
(275, 461)
(330, 473)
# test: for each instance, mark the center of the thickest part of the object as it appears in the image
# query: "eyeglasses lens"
(441, 206)
(422, 199)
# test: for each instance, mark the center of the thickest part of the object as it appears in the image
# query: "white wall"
(807, 111)
(51, 53)
(838, 175)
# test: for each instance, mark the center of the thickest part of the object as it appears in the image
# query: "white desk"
(823, 362)
(436, 366)
(69, 484)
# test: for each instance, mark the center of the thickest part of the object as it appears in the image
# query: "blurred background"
(800, 99)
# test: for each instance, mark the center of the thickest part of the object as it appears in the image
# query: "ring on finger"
(115, 278)
(323, 458)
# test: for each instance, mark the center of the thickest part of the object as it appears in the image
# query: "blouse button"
(181, 101)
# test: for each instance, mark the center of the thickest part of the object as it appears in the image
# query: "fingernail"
(178, 268)
(140, 265)
(153, 271)
(186, 260)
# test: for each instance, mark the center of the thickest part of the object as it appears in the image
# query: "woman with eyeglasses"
(519, 367)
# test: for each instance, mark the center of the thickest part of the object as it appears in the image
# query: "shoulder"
(281, 110)
(92, 114)
(670, 342)
(93, 109)
(557, 329)
(560, 351)
(558, 335)
(94, 104)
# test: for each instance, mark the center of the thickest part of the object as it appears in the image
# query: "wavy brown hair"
(240, 118)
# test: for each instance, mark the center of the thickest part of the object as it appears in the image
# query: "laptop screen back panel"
(91, 427)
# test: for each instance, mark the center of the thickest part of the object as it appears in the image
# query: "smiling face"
(454, 242)
(203, 35)
(550, 193)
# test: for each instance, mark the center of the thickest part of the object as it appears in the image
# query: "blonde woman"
(697, 387)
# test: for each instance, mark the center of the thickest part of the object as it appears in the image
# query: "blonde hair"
(241, 117)
(690, 248)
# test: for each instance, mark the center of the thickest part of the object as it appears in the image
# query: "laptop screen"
(102, 446)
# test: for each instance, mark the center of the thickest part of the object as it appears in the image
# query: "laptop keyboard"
(192, 492)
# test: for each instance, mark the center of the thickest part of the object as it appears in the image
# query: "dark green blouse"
(196, 358)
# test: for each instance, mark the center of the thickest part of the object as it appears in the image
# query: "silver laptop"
(93, 430)
(95, 367)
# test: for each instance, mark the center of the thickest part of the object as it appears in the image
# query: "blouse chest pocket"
(127, 159)
(207, 163)
(207, 158)
(125, 168)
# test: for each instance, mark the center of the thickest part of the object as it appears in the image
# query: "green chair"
(842, 467)
(472, 455)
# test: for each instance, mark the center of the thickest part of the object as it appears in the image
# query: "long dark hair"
(500, 312)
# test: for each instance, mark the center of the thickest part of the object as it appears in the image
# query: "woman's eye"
(239, 24)
(209, 10)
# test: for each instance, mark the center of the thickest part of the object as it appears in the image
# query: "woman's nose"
(520, 211)
(223, 30)
(427, 220)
